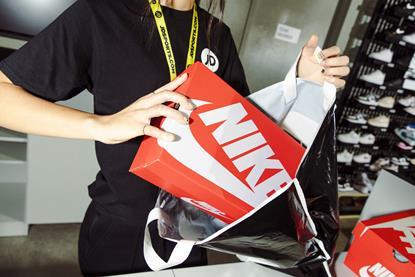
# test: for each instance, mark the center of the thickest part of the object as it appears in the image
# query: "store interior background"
(43, 181)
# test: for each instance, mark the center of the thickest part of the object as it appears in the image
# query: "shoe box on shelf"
(384, 246)
(376, 109)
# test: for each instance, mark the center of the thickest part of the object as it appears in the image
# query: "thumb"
(311, 45)
(174, 84)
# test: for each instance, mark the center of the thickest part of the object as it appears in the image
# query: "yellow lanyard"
(165, 38)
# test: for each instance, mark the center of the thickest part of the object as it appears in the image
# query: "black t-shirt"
(112, 48)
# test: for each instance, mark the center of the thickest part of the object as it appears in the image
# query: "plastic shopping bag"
(295, 227)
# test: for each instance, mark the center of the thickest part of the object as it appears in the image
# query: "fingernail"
(170, 137)
(190, 106)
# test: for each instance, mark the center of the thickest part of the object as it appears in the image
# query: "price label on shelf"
(403, 43)
(375, 147)
(383, 130)
(410, 17)
(364, 127)
(382, 87)
(399, 91)
(391, 65)
(392, 111)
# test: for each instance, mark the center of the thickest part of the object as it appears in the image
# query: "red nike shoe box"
(384, 246)
(228, 160)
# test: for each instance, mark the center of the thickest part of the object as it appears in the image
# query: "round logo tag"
(210, 60)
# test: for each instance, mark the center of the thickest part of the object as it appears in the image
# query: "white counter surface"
(223, 270)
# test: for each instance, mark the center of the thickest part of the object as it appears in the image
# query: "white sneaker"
(351, 137)
(345, 157)
(358, 118)
(368, 99)
(376, 77)
(409, 74)
(384, 55)
(379, 164)
(400, 161)
(392, 167)
(409, 38)
(367, 139)
(362, 158)
(408, 84)
(386, 102)
(410, 110)
(345, 187)
(408, 101)
(380, 121)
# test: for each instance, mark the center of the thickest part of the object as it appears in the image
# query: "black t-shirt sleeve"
(234, 73)
(54, 64)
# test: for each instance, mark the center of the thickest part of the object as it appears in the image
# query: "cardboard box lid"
(397, 230)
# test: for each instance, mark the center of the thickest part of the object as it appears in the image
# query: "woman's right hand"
(134, 120)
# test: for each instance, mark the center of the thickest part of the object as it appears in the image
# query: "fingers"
(336, 61)
(337, 71)
(337, 82)
(163, 110)
(158, 133)
(331, 51)
(163, 97)
(174, 84)
(310, 46)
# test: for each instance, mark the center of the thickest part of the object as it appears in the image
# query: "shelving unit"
(13, 178)
(373, 32)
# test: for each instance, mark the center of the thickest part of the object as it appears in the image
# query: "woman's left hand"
(332, 69)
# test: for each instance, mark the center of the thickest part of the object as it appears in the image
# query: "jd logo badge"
(210, 60)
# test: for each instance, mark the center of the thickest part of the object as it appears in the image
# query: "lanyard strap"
(165, 38)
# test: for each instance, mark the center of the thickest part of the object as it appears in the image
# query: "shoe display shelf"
(380, 61)
(13, 172)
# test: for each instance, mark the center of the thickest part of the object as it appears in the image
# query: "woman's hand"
(331, 69)
(134, 120)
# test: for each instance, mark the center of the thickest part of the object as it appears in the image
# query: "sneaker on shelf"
(408, 101)
(362, 158)
(351, 137)
(368, 99)
(407, 135)
(345, 157)
(379, 164)
(386, 102)
(392, 167)
(357, 118)
(410, 126)
(363, 184)
(400, 161)
(395, 83)
(384, 55)
(409, 74)
(406, 9)
(380, 121)
(412, 161)
(410, 110)
(376, 77)
(410, 38)
(409, 84)
(367, 139)
(404, 146)
(344, 187)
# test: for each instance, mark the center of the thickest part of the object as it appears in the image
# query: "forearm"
(23, 112)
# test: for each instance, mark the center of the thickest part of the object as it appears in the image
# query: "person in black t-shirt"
(113, 49)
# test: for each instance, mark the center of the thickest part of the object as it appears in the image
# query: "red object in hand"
(228, 160)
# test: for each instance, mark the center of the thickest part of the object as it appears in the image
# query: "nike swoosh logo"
(363, 272)
(187, 151)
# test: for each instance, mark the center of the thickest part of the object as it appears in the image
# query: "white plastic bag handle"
(180, 252)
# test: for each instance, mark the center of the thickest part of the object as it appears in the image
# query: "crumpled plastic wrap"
(298, 229)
